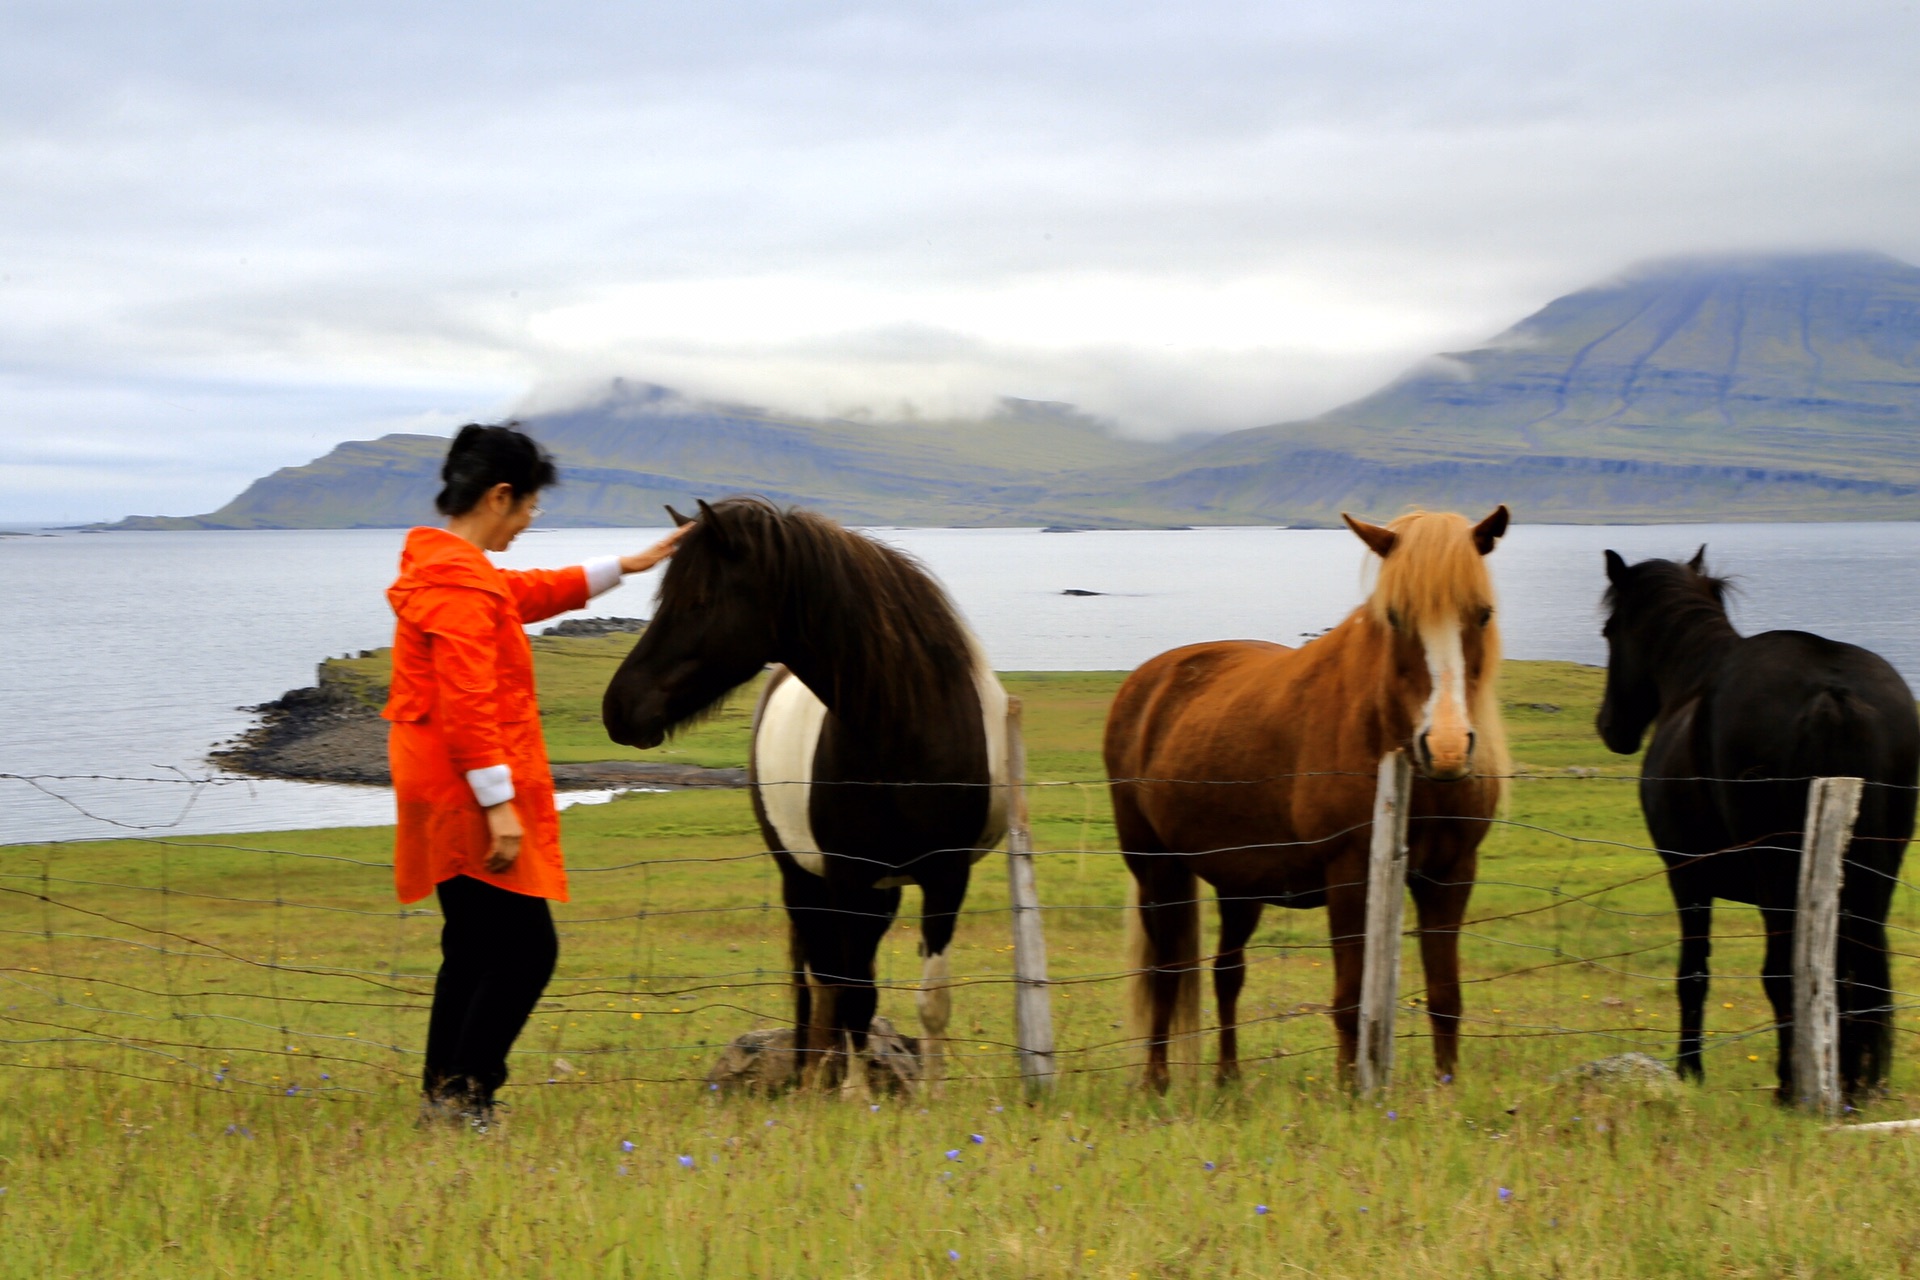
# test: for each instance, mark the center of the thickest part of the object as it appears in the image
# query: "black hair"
(482, 457)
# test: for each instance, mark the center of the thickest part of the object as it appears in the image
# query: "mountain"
(641, 446)
(1748, 388)
(1732, 388)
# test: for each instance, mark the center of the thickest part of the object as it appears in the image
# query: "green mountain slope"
(643, 446)
(1782, 387)
(1779, 387)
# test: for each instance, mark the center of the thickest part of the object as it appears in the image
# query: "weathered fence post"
(1032, 1002)
(1832, 806)
(1386, 907)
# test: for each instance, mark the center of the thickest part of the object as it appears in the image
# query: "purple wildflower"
(626, 1144)
(1207, 1165)
(1393, 1115)
(686, 1162)
(976, 1138)
(1260, 1209)
(1506, 1194)
(954, 1154)
(953, 1254)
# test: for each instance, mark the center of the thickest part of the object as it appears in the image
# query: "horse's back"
(1784, 706)
(1793, 704)
(1790, 704)
(1194, 683)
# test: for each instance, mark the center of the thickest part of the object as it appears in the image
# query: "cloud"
(312, 221)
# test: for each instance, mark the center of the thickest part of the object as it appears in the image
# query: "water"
(130, 654)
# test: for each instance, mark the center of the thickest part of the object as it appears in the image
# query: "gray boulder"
(1633, 1071)
(763, 1061)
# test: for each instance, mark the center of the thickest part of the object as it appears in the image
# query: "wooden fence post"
(1032, 1002)
(1386, 908)
(1832, 806)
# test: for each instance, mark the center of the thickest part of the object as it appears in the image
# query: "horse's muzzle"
(1446, 761)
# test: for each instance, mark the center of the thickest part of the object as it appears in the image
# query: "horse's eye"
(1486, 615)
(1393, 619)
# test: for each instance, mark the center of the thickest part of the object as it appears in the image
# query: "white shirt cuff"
(603, 574)
(492, 785)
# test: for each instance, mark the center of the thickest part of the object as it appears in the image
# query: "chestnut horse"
(1252, 766)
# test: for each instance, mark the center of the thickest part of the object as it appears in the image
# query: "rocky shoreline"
(332, 732)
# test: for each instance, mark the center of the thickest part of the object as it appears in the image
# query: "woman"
(476, 816)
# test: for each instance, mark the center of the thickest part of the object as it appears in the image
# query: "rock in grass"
(1635, 1072)
(763, 1061)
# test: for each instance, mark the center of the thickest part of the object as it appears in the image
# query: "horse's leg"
(1866, 996)
(865, 916)
(1696, 945)
(1347, 926)
(1776, 975)
(940, 899)
(811, 946)
(1440, 904)
(1239, 917)
(1164, 951)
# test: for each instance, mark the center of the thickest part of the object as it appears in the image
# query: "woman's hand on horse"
(504, 825)
(654, 554)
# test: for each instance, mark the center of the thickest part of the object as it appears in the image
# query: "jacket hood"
(435, 558)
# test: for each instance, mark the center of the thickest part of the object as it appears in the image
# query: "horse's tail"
(1177, 947)
(1839, 735)
(1834, 736)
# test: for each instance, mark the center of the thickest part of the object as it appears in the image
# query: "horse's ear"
(679, 520)
(1489, 531)
(1379, 538)
(1699, 562)
(716, 528)
(1616, 568)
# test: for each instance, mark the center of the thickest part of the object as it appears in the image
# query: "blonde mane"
(1435, 572)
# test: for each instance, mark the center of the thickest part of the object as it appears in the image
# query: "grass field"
(211, 1046)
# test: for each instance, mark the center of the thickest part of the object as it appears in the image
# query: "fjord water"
(131, 654)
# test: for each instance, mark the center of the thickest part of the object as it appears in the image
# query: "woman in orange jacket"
(477, 824)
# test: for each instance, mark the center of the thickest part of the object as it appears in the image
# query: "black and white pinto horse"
(1740, 723)
(879, 754)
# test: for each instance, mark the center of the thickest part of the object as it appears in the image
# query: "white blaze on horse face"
(1444, 724)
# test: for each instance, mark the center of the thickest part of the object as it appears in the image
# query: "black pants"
(497, 952)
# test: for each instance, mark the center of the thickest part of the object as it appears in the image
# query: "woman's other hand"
(504, 825)
(654, 554)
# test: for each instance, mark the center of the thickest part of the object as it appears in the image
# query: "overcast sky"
(234, 235)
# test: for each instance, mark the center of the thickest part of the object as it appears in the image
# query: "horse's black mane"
(887, 638)
(1689, 606)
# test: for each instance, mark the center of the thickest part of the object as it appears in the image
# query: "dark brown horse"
(1251, 766)
(1740, 723)
(879, 753)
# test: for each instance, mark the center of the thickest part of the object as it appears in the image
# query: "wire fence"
(284, 966)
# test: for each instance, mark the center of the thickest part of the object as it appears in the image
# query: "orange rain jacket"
(462, 698)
